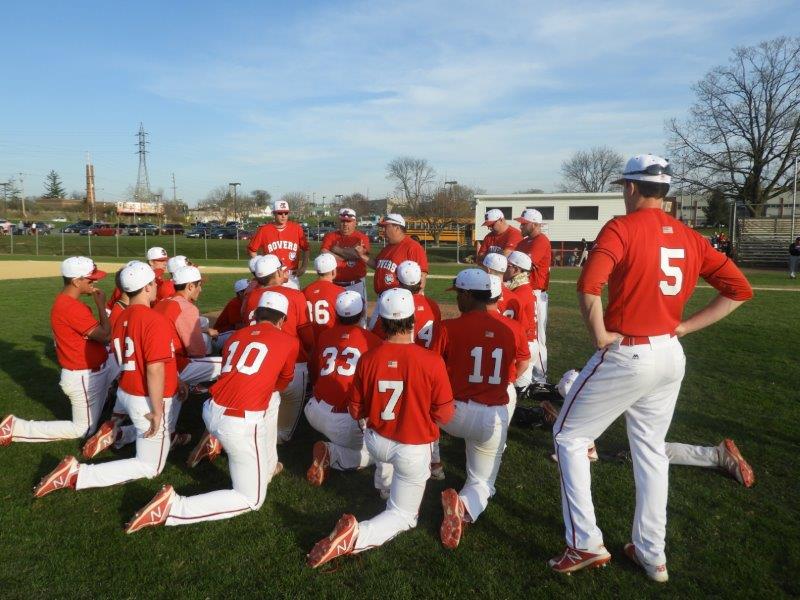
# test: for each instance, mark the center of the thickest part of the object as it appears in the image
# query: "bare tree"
(413, 177)
(446, 207)
(531, 191)
(261, 198)
(742, 131)
(358, 202)
(218, 199)
(298, 203)
(590, 170)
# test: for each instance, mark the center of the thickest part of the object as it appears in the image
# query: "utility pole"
(22, 194)
(235, 186)
(5, 185)
(90, 201)
(174, 190)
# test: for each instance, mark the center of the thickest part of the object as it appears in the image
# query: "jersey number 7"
(396, 388)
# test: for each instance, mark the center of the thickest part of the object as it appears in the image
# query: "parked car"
(171, 228)
(197, 232)
(60, 220)
(102, 229)
(231, 234)
(317, 233)
(142, 229)
(73, 228)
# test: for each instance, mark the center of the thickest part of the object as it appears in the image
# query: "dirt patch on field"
(29, 269)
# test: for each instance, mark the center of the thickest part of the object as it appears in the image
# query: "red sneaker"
(154, 512)
(655, 572)
(453, 521)
(102, 439)
(318, 471)
(732, 461)
(6, 428)
(63, 476)
(574, 560)
(341, 541)
(208, 447)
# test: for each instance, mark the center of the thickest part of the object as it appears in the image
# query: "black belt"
(348, 283)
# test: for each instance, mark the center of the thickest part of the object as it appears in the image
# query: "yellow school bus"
(456, 231)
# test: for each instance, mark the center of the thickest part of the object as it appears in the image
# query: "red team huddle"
(380, 395)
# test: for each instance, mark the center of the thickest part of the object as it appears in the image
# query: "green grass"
(723, 540)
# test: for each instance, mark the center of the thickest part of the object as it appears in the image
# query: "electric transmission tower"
(142, 191)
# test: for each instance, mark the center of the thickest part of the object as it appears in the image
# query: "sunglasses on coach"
(653, 170)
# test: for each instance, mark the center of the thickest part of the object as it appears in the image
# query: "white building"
(567, 217)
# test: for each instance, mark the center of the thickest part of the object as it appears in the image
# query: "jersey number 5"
(396, 388)
(671, 271)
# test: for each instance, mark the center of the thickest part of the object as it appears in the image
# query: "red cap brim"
(96, 275)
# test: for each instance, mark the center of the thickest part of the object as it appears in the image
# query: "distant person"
(794, 257)
(286, 240)
(502, 238)
(351, 271)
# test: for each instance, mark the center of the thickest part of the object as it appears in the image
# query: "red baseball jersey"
(403, 392)
(338, 351)
(651, 262)
(231, 316)
(296, 323)
(427, 318)
(142, 336)
(494, 242)
(538, 248)
(71, 321)
(284, 243)
(480, 350)
(257, 360)
(321, 304)
(391, 256)
(521, 337)
(347, 270)
(164, 287)
(187, 342)
(524, 310)
(116, 310)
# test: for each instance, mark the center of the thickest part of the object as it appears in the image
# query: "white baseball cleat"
(385, 494)
(341, 541)
(453, 522)
(6, 430)
(437, 471)
(102, 439)
(572, 560)
(734, 463)
(154, 512)
(655, 572)
(63, 476)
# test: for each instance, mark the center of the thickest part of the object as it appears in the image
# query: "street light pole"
(235, 186)
(794, 196)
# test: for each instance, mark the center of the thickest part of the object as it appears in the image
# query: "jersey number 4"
(671, 271)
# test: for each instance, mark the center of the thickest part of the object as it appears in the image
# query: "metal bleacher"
(764, 242)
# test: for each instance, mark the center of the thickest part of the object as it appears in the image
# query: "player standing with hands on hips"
(651, 263)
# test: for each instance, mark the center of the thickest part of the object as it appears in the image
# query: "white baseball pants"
(642, 382)
(151, 453)
(86, 390)
(201, 369)
(411, 466)
(692, 456)
(536, 369)
(292, 399)
(346, 438)
(484, 430)
(541, 331)
(250, 443)
(221, 339)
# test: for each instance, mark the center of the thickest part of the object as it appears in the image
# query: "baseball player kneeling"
(86, 368)
(242, 414)
(402, 391)
(338, 352)
(483, 353)
(148, 385)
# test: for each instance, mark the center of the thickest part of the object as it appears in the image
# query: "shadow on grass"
(37, 379)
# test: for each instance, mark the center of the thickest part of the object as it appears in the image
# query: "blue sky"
(319, 96)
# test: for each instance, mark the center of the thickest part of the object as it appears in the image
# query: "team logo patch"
(292, 255)
(388, 278)
(351, 263)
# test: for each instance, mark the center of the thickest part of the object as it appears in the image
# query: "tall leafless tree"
(742, 133)
(414, 178)
(590, 170)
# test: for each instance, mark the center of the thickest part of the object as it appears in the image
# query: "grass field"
(723, 540)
